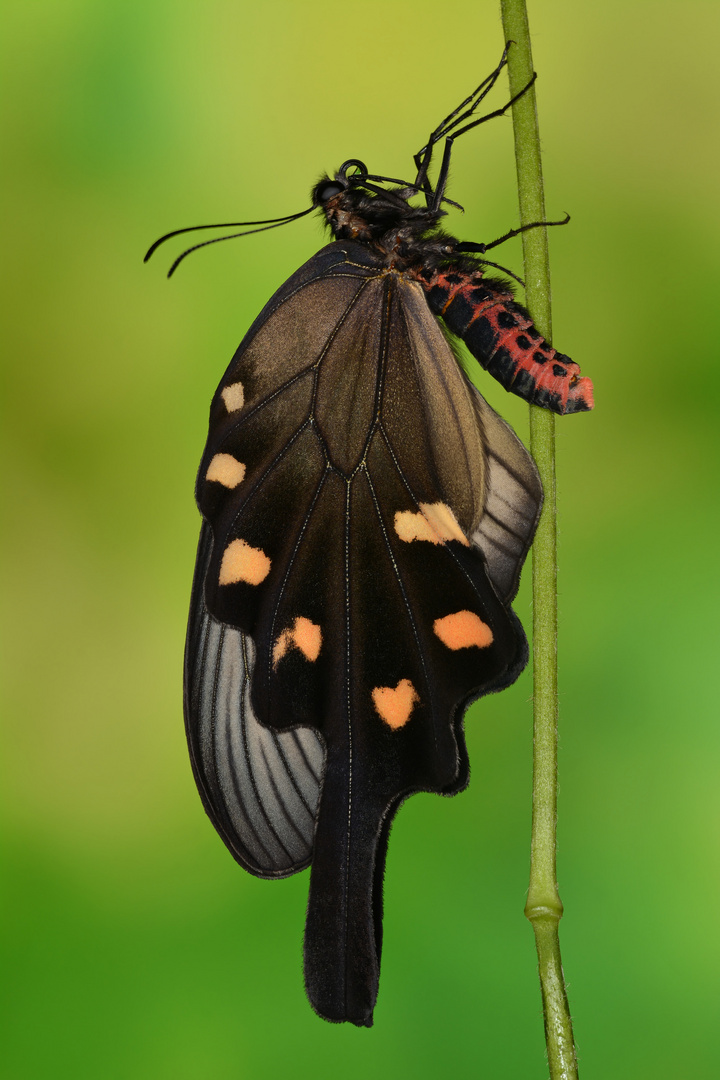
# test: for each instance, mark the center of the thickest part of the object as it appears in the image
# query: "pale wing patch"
(226, 470)
(395, 706)
(514, 497)
(435, 522)
(463, 629)
(444, 522)
(262, 786)
(304, 635)
(241, 562)
(233, 396)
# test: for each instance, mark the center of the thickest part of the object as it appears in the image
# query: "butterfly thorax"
(404, 237)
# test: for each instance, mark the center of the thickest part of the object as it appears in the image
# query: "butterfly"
(366, 515)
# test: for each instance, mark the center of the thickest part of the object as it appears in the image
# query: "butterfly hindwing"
(260, 787)
(513, 501)
(369, 516)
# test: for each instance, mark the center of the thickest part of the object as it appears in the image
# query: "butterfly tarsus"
(522, 229)
(445, 166)
(422, 157)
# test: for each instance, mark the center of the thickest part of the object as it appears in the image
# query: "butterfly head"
(356, 207)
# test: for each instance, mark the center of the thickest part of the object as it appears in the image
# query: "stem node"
(551, 912)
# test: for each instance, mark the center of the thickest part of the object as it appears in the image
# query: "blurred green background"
(135, 947)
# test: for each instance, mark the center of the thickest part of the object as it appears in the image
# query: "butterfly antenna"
(233, 236)
(269, 222)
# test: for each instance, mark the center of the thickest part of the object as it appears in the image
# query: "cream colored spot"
(240, 562)
(462, 630)
(435, 523)
(308, 638)
(395, 706)
(234, 397)
(410, 526)
(304, 635)
(226, 469)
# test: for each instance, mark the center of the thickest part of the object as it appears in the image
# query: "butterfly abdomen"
(501, 336)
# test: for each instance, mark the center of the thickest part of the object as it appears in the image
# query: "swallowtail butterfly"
(365, 518)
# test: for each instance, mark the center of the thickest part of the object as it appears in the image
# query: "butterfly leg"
(423, 156)
(445, 167)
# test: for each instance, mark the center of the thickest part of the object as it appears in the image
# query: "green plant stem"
(543, 908)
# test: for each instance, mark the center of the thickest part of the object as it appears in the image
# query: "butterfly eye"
(327, 191)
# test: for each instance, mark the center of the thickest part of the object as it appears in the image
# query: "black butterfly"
(366, 516)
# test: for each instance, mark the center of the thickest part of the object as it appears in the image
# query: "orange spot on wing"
(395, 706)
(281, 646)
(226, 470)
(304, 635)
(308, 638)
(462, 630)
(233, 396)
(435, 522)
(241, 562)
(411, 526)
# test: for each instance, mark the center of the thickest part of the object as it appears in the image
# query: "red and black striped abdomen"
(501, 336)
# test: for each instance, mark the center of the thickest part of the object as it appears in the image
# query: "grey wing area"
(260, 787)
(513, 501)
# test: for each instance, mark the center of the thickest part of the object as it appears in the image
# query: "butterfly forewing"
(428, 410)
(369, 515)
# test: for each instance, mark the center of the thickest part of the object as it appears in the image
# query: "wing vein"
(406, 600)
(272, 465)
(276, 792)
(289, 770)
(503, 525)
(311, 366)
(240, 420)
(251, 771)
(440, 373)
(412, 495)
(281, 590)
(311, 281)
(497, 543)
(215, 736)
(511, 472)
(303, 755)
